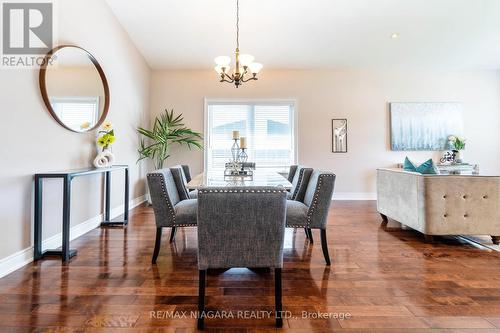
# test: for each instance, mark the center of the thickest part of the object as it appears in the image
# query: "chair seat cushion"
(185, 212)
(296, 214)
(193, 194)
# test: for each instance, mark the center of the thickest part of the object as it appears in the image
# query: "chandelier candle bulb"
(236, 135)
(243, 142)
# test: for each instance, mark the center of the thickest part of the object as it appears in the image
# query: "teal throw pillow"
(426, 168)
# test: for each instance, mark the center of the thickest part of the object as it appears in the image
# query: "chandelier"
(245, 68)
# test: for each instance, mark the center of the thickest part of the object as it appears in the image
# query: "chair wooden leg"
(157, 245)
(172, 234)
(277, 297)
(307, 233)
(311, 239)
(201, 299)
(324, 246)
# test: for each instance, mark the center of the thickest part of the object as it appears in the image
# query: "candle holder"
(243, 156)
(235, 151)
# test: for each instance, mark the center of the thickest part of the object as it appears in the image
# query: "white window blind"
(268, 127)
(76, 111)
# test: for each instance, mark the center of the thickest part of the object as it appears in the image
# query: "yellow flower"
(102, 141)
(111, 139)
(85, 125)
(107, 126)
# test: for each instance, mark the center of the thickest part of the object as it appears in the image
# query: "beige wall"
(362, 97)
(33, 142)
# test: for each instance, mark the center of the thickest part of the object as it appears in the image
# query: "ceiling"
(302, 34)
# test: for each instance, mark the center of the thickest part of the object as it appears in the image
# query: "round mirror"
(74, 88)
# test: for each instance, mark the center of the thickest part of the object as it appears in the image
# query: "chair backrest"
(291, 172)
(180, 181)
(187, 173)
(299, 183)
(164, 196)
(241, 227)
(318, 197)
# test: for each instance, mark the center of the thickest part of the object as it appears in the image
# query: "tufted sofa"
(440, 204)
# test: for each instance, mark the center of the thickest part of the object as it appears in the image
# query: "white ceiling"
(448, 34)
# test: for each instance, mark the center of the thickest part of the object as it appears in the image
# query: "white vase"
(104, 159)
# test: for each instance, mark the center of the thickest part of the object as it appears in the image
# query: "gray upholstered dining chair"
(299, 177)
(180, 178)
(299, 183)
(312, 213)
(291, 172)
(170, 211)
(241, 228)
(187, 173)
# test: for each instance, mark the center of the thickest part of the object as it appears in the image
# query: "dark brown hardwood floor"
(381, 280)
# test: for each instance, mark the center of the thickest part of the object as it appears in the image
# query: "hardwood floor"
(382, 279)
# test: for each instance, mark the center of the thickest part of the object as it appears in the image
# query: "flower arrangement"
(106, 136)
(457, 143)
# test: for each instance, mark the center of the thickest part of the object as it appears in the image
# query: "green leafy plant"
(168, 129)
(457, 143)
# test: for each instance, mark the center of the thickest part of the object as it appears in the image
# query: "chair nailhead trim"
(241, 191)
(315, 198)
(301, 176)
(165, 194)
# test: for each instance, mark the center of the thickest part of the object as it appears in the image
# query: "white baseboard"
(354, 196)
(23, 257)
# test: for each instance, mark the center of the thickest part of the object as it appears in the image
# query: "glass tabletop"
(261, 177)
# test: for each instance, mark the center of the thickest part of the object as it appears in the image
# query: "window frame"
(253, 101)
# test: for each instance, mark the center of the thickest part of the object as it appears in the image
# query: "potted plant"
(168, 129)
(457, 144)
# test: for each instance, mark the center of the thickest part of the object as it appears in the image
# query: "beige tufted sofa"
(440, 204)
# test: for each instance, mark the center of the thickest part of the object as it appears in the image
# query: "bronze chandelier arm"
(250, 79)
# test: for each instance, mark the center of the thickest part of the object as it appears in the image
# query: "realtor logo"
(27, 28)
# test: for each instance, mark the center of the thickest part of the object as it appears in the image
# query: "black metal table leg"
(107, 218)
(107, 196)
(38, 217)
(66, 218)
(125, 213)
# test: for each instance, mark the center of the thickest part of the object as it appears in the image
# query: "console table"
(67, 176)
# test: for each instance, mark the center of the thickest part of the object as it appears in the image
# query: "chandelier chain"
(238, 24)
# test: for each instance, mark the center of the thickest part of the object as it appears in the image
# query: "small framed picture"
(339, 135)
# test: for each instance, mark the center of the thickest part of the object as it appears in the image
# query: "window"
(76, 112)
(268, 126)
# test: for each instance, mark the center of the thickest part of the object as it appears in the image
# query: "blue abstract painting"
(424, 126)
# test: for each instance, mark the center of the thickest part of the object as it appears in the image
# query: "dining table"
(260, 177)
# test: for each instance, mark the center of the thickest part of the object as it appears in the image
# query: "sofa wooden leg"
(172, 234)
(157, 245)
(384, 219)
(429, 239)
(495, 240)
(324, 246)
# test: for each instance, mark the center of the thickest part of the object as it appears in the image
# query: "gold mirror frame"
(45, 96)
